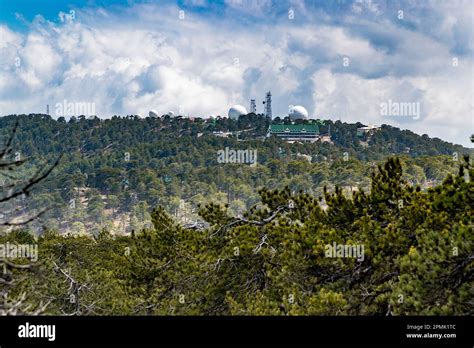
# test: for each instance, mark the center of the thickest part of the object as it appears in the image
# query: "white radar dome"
(236, 111)
(153, 113)
(298, 113)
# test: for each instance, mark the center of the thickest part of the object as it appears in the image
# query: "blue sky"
(340, 59)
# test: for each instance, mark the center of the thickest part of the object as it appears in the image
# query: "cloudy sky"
(341, 59)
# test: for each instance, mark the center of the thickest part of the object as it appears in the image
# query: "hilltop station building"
(295, 132)
(370, 129)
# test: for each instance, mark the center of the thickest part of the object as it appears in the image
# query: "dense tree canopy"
(417, 256)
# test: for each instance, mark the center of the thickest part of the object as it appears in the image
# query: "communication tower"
(268, 104)
(253, 106)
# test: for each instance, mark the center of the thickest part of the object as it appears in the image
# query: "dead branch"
(242, 221)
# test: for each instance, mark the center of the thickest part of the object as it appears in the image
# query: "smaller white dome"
(153, 113)
(298, 112)
(236, 111)
(171, 114)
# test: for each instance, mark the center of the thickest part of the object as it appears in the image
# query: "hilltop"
(115, 170)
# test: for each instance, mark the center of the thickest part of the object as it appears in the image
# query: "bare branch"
(38, 177)
(267, 220)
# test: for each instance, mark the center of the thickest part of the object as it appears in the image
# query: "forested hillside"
(417, 258)
(114, 171)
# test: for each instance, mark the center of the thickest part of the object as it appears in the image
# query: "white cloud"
(365, 5)
(250, 7)
(446, 107)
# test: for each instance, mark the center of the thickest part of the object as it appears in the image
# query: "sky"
(341, 59)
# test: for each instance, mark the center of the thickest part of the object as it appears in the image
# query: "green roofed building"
(295, 132)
